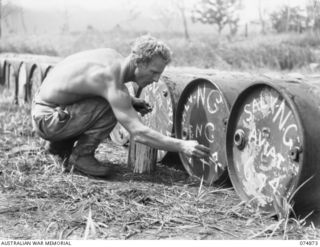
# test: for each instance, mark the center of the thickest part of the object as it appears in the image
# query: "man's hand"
(194, 149)
(140, 105)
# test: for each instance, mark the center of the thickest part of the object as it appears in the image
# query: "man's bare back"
(70, 80)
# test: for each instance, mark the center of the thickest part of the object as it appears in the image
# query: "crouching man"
(84, 96)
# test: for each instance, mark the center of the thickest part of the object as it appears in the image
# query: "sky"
(250, 6)
(49, 14)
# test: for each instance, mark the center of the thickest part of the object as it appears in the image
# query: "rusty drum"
(2, 71)
(202, 115)
(272, 146)
(158, 95)
(11, 82)
(35, 81)
(22, 83)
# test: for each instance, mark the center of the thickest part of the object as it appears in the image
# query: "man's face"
(147, 73)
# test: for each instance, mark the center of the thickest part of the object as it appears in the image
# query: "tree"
(0, 19)
(313, 12)
(218, 12)
(262, 18)
(174, 9)
(13, 11)
(131, 10)
(165, 14)
(289, 19)
(181, 6)
(65, 28)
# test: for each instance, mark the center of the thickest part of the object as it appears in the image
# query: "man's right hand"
(140, 105)
(192, 148)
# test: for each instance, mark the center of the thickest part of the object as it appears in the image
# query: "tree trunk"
(23, 21)
(0, 19)
(261, 19)
(185, 24)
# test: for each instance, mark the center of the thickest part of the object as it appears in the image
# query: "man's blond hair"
(146, 47)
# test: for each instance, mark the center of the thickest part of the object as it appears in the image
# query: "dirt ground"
(41, 201)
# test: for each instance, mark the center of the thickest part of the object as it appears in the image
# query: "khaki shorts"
(92, 116)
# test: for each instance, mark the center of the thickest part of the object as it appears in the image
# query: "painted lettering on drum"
(201, 113)
(161, 117)
(264, 164)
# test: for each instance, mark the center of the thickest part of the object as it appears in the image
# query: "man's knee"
(104, 118)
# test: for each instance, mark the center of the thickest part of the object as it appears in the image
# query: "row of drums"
(263, 131)
(23, 75)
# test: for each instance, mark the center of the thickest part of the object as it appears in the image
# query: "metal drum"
(2, 71)
(22, 84)
(202, 115)
(161, 117)
(163, 97)
(35, 81)
(11, 83)
(272, 146)
(45, 69)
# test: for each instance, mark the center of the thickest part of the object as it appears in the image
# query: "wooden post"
(142, 158)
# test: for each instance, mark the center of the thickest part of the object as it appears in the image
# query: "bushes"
(31, 45)
(278, 52)
(273, 55)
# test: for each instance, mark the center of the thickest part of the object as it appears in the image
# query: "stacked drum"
(22, 75)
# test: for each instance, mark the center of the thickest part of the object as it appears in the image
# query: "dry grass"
(40, 201)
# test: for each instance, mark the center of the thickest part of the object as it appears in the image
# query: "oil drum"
(46, 70)
(2, 71)
(272, 146)
(22, 83)
(202, 115)
(11, 82)
(35, 81)
(163, 97)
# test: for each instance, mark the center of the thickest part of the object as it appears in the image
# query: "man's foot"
(61, 148)
(89, 165)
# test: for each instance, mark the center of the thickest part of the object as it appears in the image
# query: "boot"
(63, 148)
(83, 160)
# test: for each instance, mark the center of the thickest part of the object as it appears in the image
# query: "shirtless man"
(84, 96)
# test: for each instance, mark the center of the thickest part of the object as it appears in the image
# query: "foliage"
(290, 19)
(219, 12)
(313, 12)
(10, 10)
(276, 52)
(267, 53)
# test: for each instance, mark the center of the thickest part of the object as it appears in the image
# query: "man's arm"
(120, 102)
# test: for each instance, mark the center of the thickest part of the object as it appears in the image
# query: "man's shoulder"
(101, 53)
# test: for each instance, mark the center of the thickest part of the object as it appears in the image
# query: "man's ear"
(141, 64)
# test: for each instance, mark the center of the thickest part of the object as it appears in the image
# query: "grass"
(41, 201)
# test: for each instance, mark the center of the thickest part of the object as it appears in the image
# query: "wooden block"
(141, 158)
